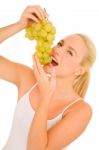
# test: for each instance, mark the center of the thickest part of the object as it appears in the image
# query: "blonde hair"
(81, 82)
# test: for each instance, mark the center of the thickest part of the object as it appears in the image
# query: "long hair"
(81, 82)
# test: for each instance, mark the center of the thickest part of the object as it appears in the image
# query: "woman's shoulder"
(81, 108)
(26, 74)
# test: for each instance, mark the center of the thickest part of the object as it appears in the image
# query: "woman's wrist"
(46, 99)
(21, 25)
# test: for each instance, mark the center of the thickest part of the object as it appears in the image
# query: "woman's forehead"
(76, 42)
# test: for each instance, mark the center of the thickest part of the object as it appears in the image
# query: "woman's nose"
(54, 50)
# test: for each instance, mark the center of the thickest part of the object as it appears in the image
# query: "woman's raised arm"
(31, 13)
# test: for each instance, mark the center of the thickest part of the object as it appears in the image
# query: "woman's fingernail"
(33, 57)
(46, 13)
(44, 9)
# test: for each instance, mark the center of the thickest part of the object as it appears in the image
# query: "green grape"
(41, 60)
(40, 43)
(48, 27)
(50, 37)
(40, 49)
(38, 27)
(39, 54)
(34, 33)
(44, 34)
(53, 30)
(29, 35)
(49, 51)
(46, 58)
(44, 21)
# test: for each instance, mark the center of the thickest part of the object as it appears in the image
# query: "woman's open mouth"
(54, 61)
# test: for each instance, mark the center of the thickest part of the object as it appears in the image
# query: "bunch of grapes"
(44, 34)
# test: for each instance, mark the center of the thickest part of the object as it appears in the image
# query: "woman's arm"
(61, 134)
(10, 30)
(31, 13)
(37, 138)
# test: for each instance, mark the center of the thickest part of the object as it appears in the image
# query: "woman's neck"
(64, 89)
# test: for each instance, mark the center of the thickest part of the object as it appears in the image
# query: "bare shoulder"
(14, 72)
(70, 127)
(26, 72)
(82, 109)
(87, 107)
(87, 110)
(17, 73)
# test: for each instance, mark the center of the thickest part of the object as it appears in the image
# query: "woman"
(51, 111)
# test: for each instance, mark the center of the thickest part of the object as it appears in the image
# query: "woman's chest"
(55, 108)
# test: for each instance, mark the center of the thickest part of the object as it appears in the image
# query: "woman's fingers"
(32, 17)
(53, 78)
(46, 14)
(34, 11)
(46, 86)
(42, 11)
(35, 64)
(37, 11)
(40, 69)
(36, 73)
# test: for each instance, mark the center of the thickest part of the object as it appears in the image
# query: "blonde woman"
(51, 112)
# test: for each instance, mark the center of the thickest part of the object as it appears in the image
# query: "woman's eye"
(59, 44)
(70, 52)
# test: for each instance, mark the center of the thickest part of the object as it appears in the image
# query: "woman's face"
(68, 52)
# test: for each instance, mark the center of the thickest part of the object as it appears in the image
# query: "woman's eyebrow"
(73, 50)
(62, 42)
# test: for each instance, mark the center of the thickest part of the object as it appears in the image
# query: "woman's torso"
(28, 100)
(34, 98)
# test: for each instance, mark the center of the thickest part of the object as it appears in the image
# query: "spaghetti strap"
(34, 85)
(78, 99)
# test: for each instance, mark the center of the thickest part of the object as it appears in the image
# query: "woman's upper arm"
(69, 128)
(13, 72)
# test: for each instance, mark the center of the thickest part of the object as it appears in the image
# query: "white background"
(68, 16)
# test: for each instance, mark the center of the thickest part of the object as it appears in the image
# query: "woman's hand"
(46, 85)
(32, 13)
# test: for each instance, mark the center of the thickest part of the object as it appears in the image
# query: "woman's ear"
(80, 71)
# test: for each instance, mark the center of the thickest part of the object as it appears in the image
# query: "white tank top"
(22, 120)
